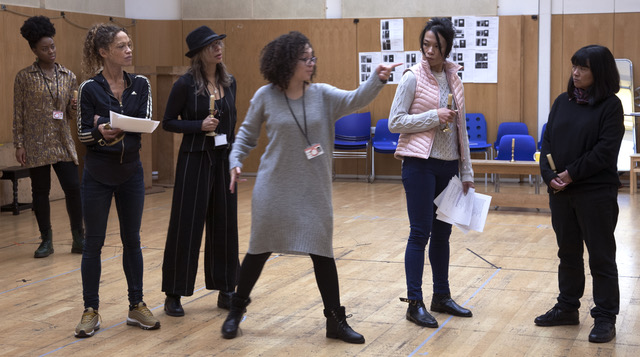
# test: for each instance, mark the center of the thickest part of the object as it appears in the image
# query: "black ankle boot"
(444, 303)
(78, 241)
(337, 326)
(46, 246)
(418, 314)
(172, 305)
(224, 299)
(237, 308)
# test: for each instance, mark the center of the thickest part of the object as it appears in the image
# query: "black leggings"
(324, 268)
(67, 172)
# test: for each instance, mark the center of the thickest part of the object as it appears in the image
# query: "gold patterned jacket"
(36, 96)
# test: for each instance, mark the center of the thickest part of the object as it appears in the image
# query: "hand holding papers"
(467, 212)
(131, 124)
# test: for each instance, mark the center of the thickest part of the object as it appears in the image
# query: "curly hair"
(99, 36)
(279, 58)
(35, 28)
(440, 26)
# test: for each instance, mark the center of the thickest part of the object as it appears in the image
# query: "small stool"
(633, 171)
(14, 173)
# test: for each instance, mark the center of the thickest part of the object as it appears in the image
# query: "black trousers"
(587, 218)
(323, 267)
(67, 172)
(201, 195)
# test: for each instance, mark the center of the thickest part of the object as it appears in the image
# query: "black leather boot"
(337, 326)
(172, 305)
(46, 246)
(78, 241)
(237, 308)
(418, 314)
(224, 299)
(444, 303)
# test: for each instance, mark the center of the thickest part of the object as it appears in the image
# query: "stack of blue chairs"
(352, 135)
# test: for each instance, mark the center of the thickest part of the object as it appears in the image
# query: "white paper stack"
(467, 212)
(131, 124)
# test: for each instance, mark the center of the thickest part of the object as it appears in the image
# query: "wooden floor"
(506, 275)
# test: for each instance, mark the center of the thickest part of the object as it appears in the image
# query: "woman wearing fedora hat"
(204, 99)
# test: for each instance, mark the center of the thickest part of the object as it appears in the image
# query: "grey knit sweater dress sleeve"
(291, 210)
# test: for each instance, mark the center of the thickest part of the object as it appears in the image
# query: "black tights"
(324, 268)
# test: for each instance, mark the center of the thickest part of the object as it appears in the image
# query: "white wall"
(153, 9)
(530, 7)
(275, 9)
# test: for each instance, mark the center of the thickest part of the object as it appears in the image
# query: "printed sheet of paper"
(131, 124)
(368, 63)
(481, 204)
(475, 47)
(391, 58)
(392, 35)
(467, 212)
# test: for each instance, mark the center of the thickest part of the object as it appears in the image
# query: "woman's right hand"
(236, 173)
(21, 156)
(210, 123)
(447, 115)
(109, 134)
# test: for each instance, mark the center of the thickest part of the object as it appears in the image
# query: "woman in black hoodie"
(112, 168)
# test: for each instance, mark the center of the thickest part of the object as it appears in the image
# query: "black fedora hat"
(199, 38)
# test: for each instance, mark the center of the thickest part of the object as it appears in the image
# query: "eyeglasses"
(309, 61)
(214, 44)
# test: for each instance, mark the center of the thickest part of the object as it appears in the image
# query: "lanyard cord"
(304, 112)
(47, 84)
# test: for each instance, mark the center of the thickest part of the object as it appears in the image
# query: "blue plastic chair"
(477, 131)
(384, 142)
(523, 149)
(510, 128)
(544, 127)
(356, 126)
(352, 135)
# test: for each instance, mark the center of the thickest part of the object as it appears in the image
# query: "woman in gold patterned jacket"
(43, 103)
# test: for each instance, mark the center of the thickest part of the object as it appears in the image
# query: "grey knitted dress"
(291, 208)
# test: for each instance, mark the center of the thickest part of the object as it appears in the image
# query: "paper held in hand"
(131, 124)
(467, 212)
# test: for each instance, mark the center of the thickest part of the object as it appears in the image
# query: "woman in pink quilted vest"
(428, 112)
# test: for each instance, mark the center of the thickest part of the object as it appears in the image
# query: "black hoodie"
(95, 97)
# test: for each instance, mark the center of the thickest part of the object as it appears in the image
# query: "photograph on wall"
(390, 58)
(367, 63)
(486, 66)
(392, 35)
(411, 58)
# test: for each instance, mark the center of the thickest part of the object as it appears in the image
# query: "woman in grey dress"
(291, 203)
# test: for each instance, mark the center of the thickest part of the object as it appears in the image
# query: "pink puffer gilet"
(427, 97)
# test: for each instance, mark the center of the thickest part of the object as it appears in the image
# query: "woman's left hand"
(466, 185)
(384, 70)
(74, 104)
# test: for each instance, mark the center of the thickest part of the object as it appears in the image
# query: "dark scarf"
(582, 96)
